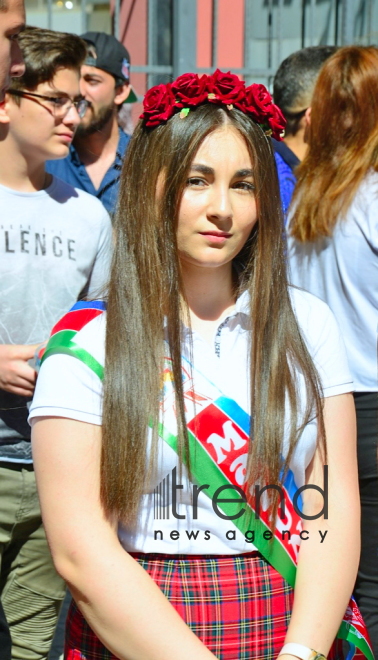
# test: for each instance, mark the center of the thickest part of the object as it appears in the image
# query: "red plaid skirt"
(239, 606)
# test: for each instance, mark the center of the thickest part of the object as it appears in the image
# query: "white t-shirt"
(343, 271)
(68, 388)
(55, 244)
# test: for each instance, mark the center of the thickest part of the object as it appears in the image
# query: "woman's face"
(218, 207)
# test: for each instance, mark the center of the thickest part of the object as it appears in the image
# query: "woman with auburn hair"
(333, 253)
(155, 432)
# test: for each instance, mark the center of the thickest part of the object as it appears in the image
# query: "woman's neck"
(209, 291)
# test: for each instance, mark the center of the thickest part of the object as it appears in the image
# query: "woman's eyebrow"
(244, 172)
(204, 169)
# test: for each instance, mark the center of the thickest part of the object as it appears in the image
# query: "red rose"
(190, 89)
(158, 104)
(258, 102)
(263, 99)
(226, 88)
(277, 122)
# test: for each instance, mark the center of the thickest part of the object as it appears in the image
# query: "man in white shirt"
(55, 246)
(12, 15)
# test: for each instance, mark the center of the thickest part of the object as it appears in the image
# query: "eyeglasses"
(60, 105)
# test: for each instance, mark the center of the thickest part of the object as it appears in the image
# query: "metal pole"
(336, 22)
(151, 27)
(347, 31)
(279, 32)
(214, 54)
(270, 32)
(247, 34)
(303, 25)
(117, 7)
(184, 36)
(83, 15)
(49, 14)
(370, 22)
(312, 21)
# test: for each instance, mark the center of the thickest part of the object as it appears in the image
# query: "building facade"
(251, 37)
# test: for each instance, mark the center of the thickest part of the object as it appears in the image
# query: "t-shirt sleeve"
(67, 387)
(325, 343)
(100, 274)
(69, 382)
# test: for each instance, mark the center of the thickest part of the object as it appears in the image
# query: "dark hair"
(343, 141)
(3, 5)
(44, 53)
(146, 289)
(295, 80)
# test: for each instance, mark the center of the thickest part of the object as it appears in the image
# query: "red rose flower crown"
(189, 90)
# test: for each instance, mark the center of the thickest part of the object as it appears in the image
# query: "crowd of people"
(210, 285)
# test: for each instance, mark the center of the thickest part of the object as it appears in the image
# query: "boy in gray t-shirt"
(55, 246)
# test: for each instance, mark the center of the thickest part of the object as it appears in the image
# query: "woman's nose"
(220, 206)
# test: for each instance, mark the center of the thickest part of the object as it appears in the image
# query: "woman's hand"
(116, 595)
(327, 571)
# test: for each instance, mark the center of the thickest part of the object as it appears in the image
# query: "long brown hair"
(343, 141)
(146, 286)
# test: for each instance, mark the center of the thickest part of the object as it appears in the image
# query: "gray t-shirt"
(55, 246)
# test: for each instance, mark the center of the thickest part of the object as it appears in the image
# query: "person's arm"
(16, 376)
(116, 595)
(327, 571)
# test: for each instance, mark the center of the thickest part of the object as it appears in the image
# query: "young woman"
(333, 252)
(210, 379)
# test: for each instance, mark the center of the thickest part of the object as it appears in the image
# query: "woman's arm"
(327, 571)
(117, 597)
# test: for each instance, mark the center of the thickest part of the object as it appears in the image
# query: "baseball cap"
(111, 56)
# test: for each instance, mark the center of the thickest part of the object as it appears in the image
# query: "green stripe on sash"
(205, 471)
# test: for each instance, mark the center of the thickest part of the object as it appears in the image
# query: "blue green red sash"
(218, 444)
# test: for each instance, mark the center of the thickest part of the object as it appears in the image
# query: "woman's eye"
(195, 181)
(245, 185)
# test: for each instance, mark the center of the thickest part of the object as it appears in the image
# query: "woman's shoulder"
(69, 383)
(314, 316)
(80, 334)
(366, 196)
(306, 304)
(324, 341)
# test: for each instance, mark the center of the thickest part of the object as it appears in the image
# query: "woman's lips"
(216, 236)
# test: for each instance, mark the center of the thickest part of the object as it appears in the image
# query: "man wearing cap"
(96, 155)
